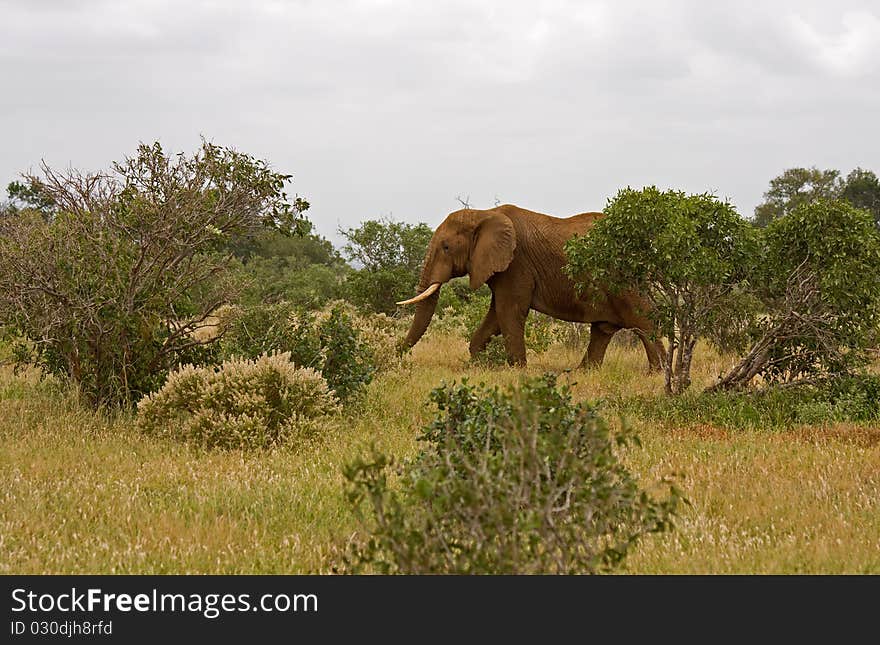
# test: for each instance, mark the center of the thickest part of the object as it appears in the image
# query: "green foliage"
(495, 354)
(670, 240)
(30, 196)
(845, 399)
(111, 288)
(329, 342)
(252, 331)
(688, 256)
(515, 481)
(303, 250)
(735, 324)
(853, 398)
(239, 404)
(276, 279)
(347, 364)
(833, 249)
(460, 310)
(456, 295)
(389, 256)
(862, 190)
(304, 270)
(5, 346)
(796, 187)
(379, 291)
(386, 244)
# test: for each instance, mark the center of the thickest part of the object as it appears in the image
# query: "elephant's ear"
(492, 250)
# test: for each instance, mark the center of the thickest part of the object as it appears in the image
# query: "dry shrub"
(239, 404)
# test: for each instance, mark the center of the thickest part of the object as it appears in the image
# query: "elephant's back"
(582, 222)
(558, 230)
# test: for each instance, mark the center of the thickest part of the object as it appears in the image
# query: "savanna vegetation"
(193, 380)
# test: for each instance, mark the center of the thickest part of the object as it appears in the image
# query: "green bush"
(543, 331)
(280, 327)
(327, 341)
(460, 312)
(515, 481)
(853, 398)
(818, 282)
(495, 354)
(346, 362)
(276, 279)
(834, 249)
(6, 341)
(797, 187)
(239, 404)
(381, 334)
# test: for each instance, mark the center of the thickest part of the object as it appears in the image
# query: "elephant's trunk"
(426, 306)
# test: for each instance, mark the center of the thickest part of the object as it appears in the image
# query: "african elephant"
(519, 254)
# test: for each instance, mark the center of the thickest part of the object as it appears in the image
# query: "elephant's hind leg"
(488, 328)
(600, 335)
(654, 349)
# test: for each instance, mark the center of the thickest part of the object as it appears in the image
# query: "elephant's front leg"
(488, 328)
(512, 321)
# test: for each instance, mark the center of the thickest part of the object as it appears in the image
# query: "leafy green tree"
(389, 257)
(304, 250)
(688, 256)
(862, 189)
(111, 289)
(796, 187)
(277, 279)
(819, 283)
(30, 195)
(304, 270)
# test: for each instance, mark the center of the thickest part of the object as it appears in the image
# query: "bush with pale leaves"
(239, 404)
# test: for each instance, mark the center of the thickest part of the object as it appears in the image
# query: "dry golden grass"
(766, 504)
(83, 493)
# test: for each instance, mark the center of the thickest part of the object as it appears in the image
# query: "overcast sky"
(386, 108)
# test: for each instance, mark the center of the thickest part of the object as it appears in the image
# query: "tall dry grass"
(85, 492)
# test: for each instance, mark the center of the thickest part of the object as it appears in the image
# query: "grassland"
(87, 493)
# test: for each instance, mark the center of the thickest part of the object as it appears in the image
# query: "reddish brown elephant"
(519, 254)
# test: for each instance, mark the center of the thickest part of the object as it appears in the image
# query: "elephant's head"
(468, 242)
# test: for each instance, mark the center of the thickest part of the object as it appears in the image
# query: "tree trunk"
(677, 363)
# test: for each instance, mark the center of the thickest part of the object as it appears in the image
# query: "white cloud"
(853, 51)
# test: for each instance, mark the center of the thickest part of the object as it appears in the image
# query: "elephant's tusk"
(427, 293)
